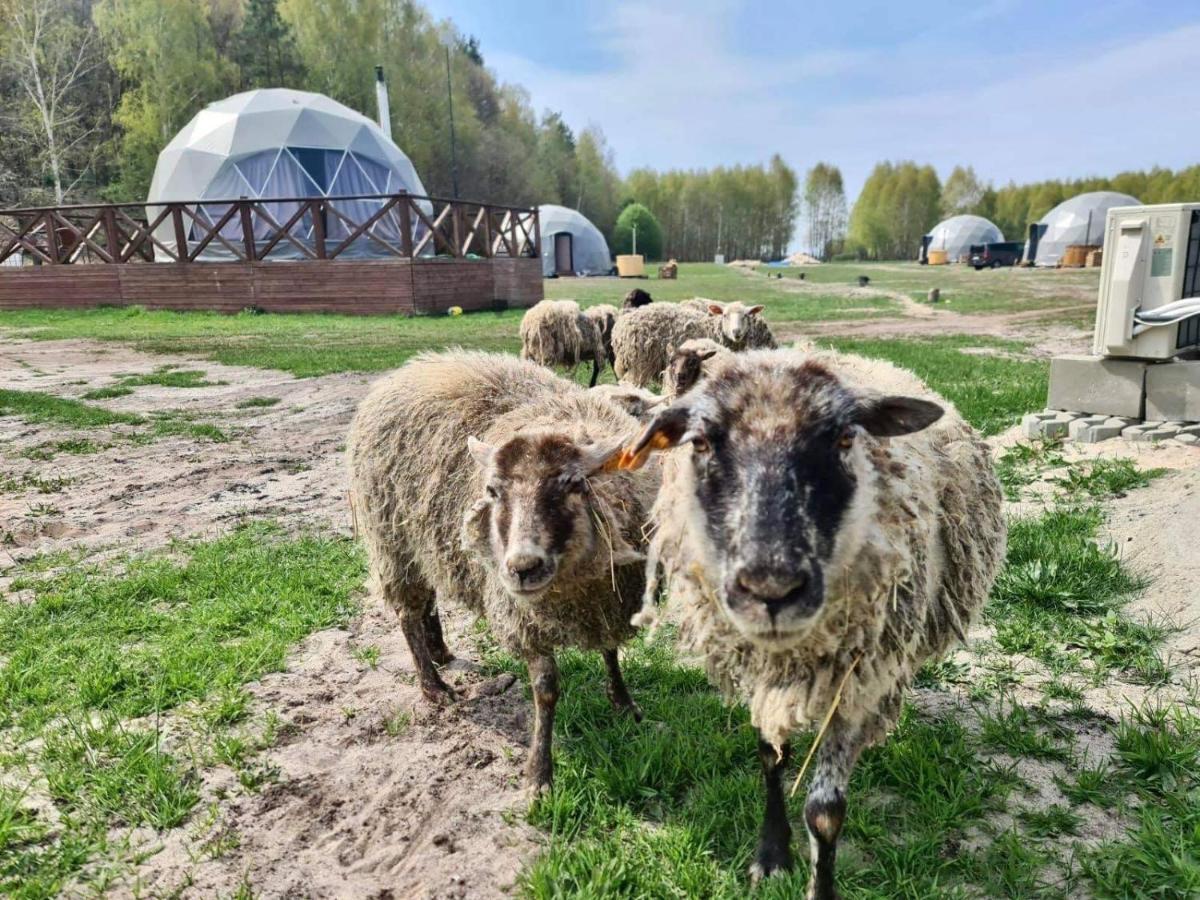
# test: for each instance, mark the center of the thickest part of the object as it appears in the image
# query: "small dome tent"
(571, 245)
(956, 235)
(279, 143)
(1078, 221)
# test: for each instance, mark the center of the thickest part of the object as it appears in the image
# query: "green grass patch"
(38, 408)
(74, 446)
(1105, 478)
(991, 392)
(257, 402)
(108, 393)
(93, 650)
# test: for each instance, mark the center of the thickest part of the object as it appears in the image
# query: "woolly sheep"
(735, 325)
(688, 363)
(489, 480)
(827, 524)
(638, 402)
(603, 317)
(558, 333)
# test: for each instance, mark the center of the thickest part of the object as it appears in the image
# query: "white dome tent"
(277, 143)
(956, 235)
(1078, 221)
(571, 245)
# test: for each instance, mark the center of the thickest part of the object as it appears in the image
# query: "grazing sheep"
(642, 337)
(826, 526)
(603, 317)
(639, 403)
(687, 365)
(490, 480)
(735, 325)
(558, 333)
(669, 271)
(635, 298)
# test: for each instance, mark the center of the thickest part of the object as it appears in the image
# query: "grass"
(257, 402)
(93, 653)
(990, 391)
(45, 409)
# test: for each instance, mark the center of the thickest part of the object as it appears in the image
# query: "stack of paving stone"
(1088, 429)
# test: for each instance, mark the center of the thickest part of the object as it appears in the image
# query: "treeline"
(901, 202)
(744, 212)
(92, 90)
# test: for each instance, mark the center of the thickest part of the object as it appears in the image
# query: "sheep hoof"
(771, 861)
(439, 694)
(442, 657)
(629, 708)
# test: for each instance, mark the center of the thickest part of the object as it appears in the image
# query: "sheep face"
(635, 298)
(685, 368)
(735, 320)
(779, 485)
(535, 517)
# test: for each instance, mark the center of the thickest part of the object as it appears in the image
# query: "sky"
(1021, 90)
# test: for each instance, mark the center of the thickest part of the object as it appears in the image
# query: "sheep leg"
(543, 678)
(618, 694)
(774, 852)
(597, 364)
(413, 620)
(825, 806)
(433, 636)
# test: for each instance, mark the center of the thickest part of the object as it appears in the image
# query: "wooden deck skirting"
(487, 256)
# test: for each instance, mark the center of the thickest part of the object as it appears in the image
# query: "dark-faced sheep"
(558, 333)
(826, 525)
(603, 317)
(488, 480)
(635, 298)
(689, 362)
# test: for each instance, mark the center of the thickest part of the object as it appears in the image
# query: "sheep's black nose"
(776, 589)
(522, 565)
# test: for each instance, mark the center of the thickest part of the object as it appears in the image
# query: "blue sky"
(1021, 90)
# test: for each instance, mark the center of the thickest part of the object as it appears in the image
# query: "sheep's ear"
(670, 350)
(891, 416)
(483, 453)
(601, 456)
(715, 309)
(755, 310)
(706, 354)
(664, 432)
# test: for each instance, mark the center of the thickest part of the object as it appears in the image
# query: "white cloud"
(680, 94)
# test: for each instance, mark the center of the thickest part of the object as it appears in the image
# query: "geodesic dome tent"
(1079, 220)
(571, 245)
(279, 143)
(956, 235)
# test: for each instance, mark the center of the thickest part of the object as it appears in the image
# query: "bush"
(649, 232)
(848, 256)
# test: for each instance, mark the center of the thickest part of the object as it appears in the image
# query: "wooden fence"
(363, 253)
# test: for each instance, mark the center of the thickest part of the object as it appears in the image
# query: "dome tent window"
(282, 145)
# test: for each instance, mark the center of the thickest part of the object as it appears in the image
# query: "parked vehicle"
(993, 256)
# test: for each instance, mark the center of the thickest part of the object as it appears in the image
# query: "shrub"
(649, 232)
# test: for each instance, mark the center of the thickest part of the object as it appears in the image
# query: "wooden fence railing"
(249, 230)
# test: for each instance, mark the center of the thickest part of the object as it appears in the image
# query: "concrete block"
(1150, 435)
(1173, 391)
(1058, 426)
(1082, 424)
(1092, 384)
(1095, 433)
(1190, 429)
(1123, 421)
(1187, 438)
(1131, 432)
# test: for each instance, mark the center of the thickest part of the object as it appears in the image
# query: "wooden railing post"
(406, 230)
(487, 232)
(112, 237)
(51, 238)
(456, 222)
(181, 246)
(512, 227)
(537, 234)
(247, 230)
(317, 211)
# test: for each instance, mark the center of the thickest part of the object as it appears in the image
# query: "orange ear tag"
(631, 460)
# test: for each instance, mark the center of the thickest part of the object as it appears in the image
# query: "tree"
(963, 193)
(264, 48)
(825, 209)
(637, 228)
(50, 57)
(898, 204)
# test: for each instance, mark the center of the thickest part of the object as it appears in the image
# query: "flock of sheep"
(816, 524)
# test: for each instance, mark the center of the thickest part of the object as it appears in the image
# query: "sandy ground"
(434, 808)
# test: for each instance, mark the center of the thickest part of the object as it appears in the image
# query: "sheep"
(558, 333)
(641, 337)
(603, 316)
(827, 525)
(490, 480)
(737, 326)
(686, 365)
(638, 402)
(635, 298)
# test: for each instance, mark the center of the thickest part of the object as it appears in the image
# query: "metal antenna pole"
(453, 146)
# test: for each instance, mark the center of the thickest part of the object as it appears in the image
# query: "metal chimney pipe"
(381, 103)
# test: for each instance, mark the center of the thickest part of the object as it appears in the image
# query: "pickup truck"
(993, 256)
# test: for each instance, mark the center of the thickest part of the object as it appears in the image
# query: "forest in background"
(92, 90)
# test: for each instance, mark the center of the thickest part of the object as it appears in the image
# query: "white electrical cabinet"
(1149, 304)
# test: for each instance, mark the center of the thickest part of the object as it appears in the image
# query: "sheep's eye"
(492, 491)
(846, 441)
(700, 445)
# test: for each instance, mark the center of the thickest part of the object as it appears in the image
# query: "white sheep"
(826, 524)
(558, 333)
(735, 325)
(490, 480)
